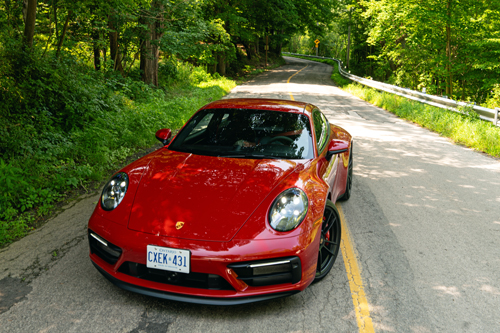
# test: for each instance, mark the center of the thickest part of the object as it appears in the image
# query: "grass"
(466, 129)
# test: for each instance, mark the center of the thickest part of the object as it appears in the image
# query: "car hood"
(202, 197)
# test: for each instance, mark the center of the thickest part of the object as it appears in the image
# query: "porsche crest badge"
(179, 225)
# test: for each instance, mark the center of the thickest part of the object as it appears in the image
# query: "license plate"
(168, 259)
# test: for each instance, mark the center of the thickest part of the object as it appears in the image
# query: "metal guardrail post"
(496, 116)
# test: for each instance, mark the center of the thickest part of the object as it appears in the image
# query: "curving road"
(424, 220)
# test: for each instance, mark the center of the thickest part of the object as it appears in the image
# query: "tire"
(348, 184)
(330, 241)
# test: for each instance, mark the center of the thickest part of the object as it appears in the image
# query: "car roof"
(260, 104)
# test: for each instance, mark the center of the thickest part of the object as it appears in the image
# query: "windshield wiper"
(264, 156)
(249, 156)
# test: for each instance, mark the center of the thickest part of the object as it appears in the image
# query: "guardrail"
(490, 115)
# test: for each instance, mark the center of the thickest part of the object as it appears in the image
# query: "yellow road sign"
(316, 42)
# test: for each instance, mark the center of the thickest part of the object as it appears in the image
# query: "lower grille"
(192, 280)
(108, 252)
(269, 272)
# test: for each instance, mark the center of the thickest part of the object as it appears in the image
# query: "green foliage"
(451, 48)
(493, 100)
(73, 104)
(248, 20)
(331, 44)
(64, 125)
(11, 229)
(468, 112)
(186, 43)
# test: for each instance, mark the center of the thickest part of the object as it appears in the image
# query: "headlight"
(288, 210)
(114, 191)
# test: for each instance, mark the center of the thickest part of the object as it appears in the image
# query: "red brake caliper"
(327, 236)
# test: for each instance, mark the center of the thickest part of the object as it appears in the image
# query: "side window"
(321, 129)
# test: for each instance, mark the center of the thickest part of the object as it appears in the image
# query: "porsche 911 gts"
(238, 207)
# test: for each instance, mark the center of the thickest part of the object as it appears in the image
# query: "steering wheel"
(284, 138)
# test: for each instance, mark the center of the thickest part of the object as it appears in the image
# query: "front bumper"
(189, 298)
(209, 260)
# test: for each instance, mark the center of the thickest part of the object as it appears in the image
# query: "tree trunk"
(449, 77)
(97, 50)
(105, 49)
(95, 36)
(267, 45)
(277, 46)
(144, 43)
(113, 44)
(146, 63)
(29, 23)
(281, 42)
(348, 41)
(59, 45)
(54, 5)
(7, 9)
(463, 89)
(157, 36)
(150, 52)
(221, 64)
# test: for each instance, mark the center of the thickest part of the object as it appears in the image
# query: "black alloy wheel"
(348, 185)
(329, 243)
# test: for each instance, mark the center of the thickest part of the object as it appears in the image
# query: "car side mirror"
(164, 135)
(336, 147)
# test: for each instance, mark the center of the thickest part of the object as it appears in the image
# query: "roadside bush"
(493, 100)
(63, 125)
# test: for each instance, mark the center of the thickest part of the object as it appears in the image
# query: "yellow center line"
(353, 275)
(291, 96)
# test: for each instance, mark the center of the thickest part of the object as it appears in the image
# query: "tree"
(436, 44)
(29, 25)
(150, 50)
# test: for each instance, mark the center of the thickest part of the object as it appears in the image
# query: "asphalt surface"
(424, 218)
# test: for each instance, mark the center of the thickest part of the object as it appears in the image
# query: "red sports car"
(238, 207)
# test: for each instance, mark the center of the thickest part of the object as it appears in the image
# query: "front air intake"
(108, 252)
(269, 272)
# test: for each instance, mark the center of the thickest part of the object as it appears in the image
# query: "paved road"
(424, 218)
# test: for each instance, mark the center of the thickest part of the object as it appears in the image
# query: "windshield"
(242, 133)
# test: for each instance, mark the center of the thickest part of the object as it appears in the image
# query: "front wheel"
(329, 243)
